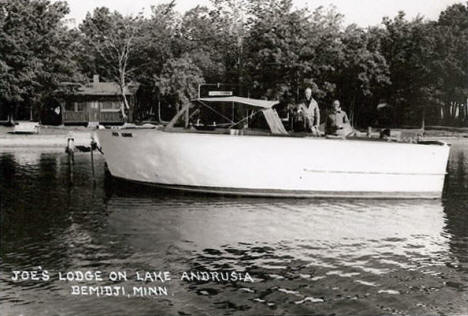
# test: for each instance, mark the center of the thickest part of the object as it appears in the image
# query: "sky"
(361, 12)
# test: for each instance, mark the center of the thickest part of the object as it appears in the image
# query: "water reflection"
(308, 229)
(307, 256)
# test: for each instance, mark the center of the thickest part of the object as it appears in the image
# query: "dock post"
(93, 145)
(70, 150)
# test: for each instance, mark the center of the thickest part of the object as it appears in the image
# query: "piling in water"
(93, 146)
(70, 150)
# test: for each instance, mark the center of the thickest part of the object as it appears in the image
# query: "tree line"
(267, 48)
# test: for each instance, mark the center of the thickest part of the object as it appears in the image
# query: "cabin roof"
(105, 88)
(265, 104)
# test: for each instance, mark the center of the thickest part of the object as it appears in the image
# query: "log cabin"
(97, 103)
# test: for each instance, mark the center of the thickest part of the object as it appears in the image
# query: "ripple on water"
(326, 256)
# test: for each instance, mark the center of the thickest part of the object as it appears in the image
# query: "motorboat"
(234, 156)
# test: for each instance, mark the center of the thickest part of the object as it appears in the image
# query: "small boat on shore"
(225, 158)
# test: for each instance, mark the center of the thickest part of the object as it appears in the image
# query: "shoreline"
(57, 136)
(47, 136)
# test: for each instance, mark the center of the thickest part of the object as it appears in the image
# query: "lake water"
(306, 257)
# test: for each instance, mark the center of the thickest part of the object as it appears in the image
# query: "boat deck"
(409, 137)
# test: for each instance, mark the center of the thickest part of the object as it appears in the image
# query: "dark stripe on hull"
(290, 193)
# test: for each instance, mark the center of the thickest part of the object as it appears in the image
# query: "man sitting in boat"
(337, 122)
(307, 117)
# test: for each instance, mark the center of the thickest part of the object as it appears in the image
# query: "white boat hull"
(275, 166)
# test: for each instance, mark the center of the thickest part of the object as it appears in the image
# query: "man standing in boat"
(310, 111)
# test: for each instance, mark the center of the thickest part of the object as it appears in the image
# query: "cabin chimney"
(96, 79)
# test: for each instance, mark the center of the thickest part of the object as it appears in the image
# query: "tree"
(450, 59)
(408, 47)
(362, 73)
(36, 53)
(231, 19)
(201, 37)
(214, 38)
(113, 38)
(290, 49)
(273, 47)
(179, 80)
(157, 44)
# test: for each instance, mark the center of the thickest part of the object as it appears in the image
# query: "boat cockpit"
(245, 116)
(234, 115)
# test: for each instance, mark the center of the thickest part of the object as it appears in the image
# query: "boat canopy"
(274, 122)
(266, 107)
(265, 104)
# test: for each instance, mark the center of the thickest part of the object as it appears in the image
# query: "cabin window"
(110, 106)
(75, 106)
(80, 106)
(70, 107)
